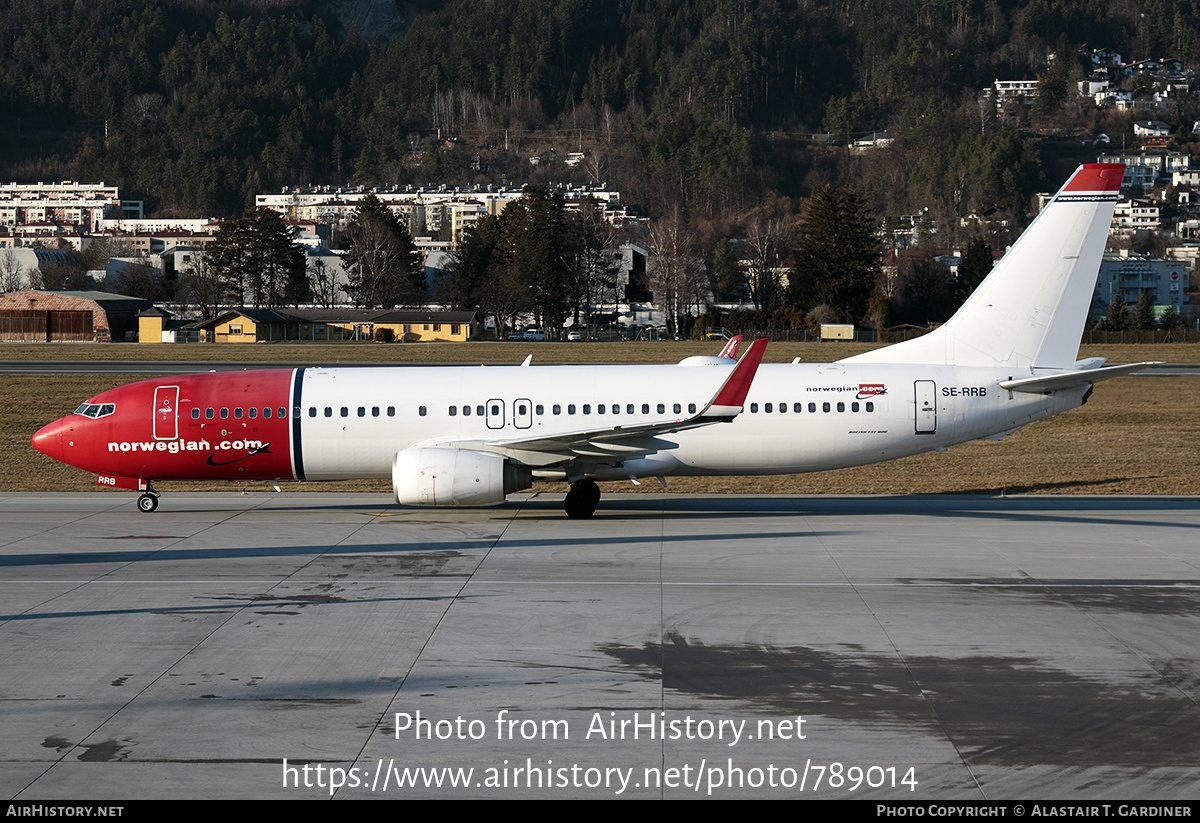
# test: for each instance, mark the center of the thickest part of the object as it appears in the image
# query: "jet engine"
(455, 477)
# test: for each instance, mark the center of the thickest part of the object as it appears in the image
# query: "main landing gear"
(148, 502)
(582, 499)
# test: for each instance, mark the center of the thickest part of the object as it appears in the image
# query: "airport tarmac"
(907, 648)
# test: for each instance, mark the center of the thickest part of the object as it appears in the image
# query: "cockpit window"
(95, 410)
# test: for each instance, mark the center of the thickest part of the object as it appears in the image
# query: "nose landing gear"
(148, 502)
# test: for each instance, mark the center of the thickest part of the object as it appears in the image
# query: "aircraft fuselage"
(340, 424)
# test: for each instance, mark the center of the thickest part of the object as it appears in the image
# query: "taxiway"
(1000, 648)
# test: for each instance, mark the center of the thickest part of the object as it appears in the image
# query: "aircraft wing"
(627, 442)
(1071, 379)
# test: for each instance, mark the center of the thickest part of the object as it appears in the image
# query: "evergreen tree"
(1055, 86)
(1169, 320)
(383, 266)
(977, 262)
(255, 257)
(1116, 317)
(536, 252)
(727, 280)
(837, 255)
(1143, 313)
(481, 278)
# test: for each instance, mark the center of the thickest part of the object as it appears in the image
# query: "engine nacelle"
(455, 477)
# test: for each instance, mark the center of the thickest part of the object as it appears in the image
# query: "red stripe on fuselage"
(128, 443)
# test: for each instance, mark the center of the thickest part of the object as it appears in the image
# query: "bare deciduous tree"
(675, 270)
(12, 273)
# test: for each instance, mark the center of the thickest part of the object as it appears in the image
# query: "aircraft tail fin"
(1029, 312)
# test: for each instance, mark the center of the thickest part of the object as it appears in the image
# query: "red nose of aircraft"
(49, 438)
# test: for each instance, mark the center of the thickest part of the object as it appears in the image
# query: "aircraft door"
(495, 414)
(925, 408)
(522, 415)
(166, 413)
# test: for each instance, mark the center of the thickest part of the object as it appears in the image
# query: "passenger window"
(587, 408)
(295, 412)
(600, 409)
(392, 411)
(662, 409)
(691, 408)
(539, 409)
(754, 408)
(570, 408)
(824, 407)
(362, 411)
(678, 408)
(870, 406)
(495, 411)
(783, 408)
(328, 411)
(453, 411)
(267, 413)
(208, 414)
(556, 409)
(629, 408)
(252, 412)
(522, 410)
(797, 407)
(312, 411)
(195, 414)
(479, 411)
(237, 413)
(224, 414)
(374, 411)
(421, 411)
(841, 407)
(767, 407)
(812, 407)
(853, 407)
(645, 408)
(466, 411)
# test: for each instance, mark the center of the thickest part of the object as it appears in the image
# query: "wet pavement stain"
(1176, 597)
(412, 564)
(996, 710)
(107, 751)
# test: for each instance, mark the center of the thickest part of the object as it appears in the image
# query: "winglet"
(731, 397)
(730, 350)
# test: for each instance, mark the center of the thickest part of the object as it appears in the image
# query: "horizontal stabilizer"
(1072, 379)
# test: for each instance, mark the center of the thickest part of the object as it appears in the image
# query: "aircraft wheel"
(582, 499)
(147, 503)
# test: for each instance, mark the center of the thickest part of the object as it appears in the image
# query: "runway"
(907, 648)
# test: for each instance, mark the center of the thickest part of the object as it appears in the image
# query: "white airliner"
(469, 436)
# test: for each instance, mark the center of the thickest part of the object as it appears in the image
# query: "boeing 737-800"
(469, 436)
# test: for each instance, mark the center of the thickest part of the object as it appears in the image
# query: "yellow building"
(266, 325)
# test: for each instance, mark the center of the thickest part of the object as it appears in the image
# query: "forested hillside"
(706, 106)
